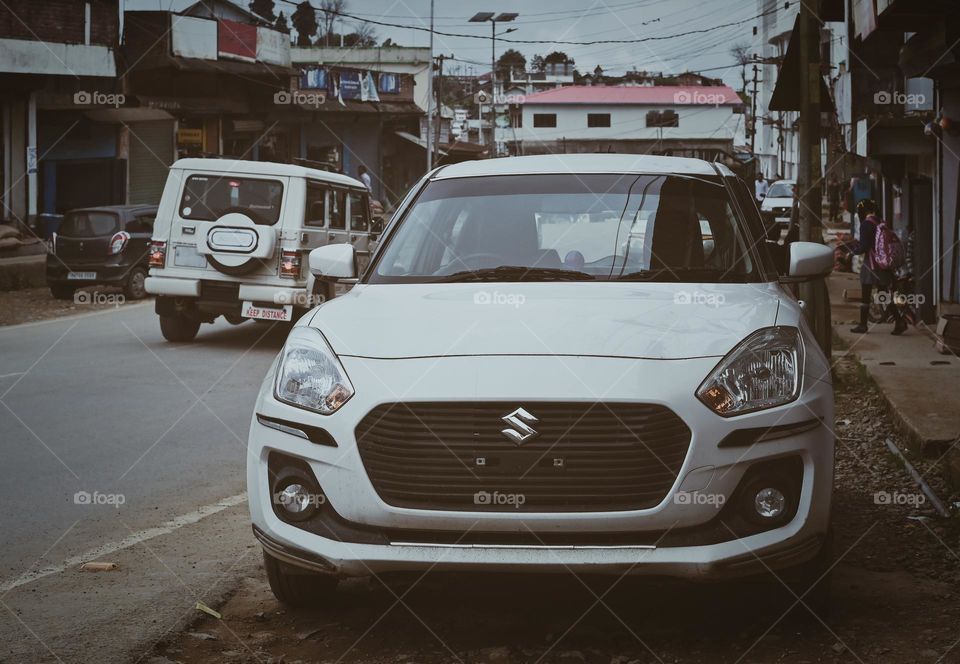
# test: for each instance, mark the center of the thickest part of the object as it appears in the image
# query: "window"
(359, 212)
(598, 119)
(89, 224)
(544, 119)
(338, 209)
(208, 198)
(663, 119)
(660, 227)
(141, 224)
(315, 210)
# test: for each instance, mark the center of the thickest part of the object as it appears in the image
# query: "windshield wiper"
(683, 275)
(518, 273)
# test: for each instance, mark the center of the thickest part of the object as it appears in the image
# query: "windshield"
(571, 227)
(89, 224)
(210, 197)
(780, 190)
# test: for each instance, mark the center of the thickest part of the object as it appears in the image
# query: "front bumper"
(636, 542)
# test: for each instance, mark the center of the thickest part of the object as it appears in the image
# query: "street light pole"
(483, 17)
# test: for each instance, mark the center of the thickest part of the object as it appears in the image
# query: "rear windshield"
(89, 224)
(780, 190)
(209, 197)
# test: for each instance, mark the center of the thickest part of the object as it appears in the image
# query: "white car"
(230, 237)
(499, 391)
(777, 205)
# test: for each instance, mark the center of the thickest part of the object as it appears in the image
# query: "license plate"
(82, 276)
(187, 256)
(250, 310)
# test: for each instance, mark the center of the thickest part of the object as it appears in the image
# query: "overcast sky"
(574, 20)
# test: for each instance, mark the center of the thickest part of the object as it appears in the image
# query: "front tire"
(296, 588)
(179, 328)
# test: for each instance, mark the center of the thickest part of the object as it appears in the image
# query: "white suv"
(230, 236)
(552, 363)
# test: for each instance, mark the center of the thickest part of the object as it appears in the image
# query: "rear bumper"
(57, 273)
(276, 295)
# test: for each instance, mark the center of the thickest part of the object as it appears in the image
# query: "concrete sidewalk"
(919, 384)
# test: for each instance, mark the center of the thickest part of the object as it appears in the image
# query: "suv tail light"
(290, 264)
(118, 242)
(158, 254)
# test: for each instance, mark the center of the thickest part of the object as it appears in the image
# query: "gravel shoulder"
(896, 590)
(28, 305)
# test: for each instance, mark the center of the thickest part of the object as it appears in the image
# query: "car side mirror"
(334, 261)
(807, 261)
(376, 227)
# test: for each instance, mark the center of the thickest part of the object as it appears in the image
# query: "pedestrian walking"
(760, 188)
(365, 177)
(875, 280)
(833, 198)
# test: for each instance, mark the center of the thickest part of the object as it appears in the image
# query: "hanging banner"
(350, 85)
(368, 91)
(237, 41)
(314, 78)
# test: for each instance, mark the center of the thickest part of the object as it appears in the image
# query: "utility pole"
(753, 109)
(814, 294)
(430, 97)
(439, 90)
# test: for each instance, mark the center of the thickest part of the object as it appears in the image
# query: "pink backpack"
(888, 251)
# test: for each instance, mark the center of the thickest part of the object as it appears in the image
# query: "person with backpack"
(883, 254)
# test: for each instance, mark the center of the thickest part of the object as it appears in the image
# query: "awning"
(260, 69)
(786, 94)
(422, 142)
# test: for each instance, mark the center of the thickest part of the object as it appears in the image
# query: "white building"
(680, 120)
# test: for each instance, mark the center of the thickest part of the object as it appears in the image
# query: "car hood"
(776, 202)
(636, 320)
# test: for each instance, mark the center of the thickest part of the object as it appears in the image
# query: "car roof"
(580, 163)
(784, 182)
(242, 166)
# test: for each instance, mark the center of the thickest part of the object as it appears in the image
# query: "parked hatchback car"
(552, 363)
(101, 246)
(777, 205)
(231, 236)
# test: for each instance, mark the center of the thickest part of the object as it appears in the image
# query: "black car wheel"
(295, 587)
(135, 288)
(179, 328)
(62, 291)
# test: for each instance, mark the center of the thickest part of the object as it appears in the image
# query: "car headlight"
(309, 375)
(763, 371)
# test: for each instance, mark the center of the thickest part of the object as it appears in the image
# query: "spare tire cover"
(235, 245)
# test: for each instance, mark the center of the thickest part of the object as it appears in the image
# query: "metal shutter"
(151, 153)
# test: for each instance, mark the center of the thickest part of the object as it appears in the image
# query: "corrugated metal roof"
(672, 95)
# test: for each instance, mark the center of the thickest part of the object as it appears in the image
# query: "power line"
(637, 40)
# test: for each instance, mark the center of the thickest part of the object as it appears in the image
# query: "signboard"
(31, 159)
(190, 136)
(193, 37)
(236, 41)
(273, 47)
(350, 84)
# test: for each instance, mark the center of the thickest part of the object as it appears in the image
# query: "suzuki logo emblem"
(520, 430)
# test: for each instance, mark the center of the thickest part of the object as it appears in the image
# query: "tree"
(364, 37)
(510, 60)
(305, 21)
(263, 8)
(557, 58)
(281, 24)
(537, 64)
(741, 54)
(331, 10)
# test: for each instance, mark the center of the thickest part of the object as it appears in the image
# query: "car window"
(315, 209)
(359, 212)
(338, 209)
(89, 224)
(780, 190)
(141, 224)
(605, 226)
(209, 197)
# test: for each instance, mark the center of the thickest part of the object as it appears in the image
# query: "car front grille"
(584, 456)
(219, 291)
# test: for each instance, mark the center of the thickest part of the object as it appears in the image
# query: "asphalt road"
(116, 444)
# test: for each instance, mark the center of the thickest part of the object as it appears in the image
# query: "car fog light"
(295, 497)
(770, 503)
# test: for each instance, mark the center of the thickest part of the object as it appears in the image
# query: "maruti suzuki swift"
(586, 363)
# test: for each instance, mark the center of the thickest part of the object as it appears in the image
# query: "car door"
(358, 215)
(337, 232)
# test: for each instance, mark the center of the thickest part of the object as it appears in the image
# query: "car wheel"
(179, 328)
(235, 319)
(295, 587)
(135, 288)
(62, 292)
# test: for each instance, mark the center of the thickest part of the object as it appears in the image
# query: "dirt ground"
(896, 591)
(32, 304)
